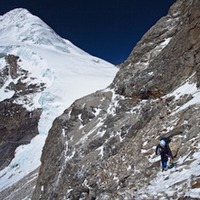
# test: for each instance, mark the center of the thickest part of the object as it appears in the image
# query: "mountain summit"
(41, 74)
(20, 26)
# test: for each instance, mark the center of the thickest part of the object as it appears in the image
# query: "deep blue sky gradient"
(108, 29)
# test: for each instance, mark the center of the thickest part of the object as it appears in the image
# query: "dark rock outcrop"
(17, 124)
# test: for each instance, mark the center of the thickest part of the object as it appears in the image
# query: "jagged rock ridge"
(102, 147)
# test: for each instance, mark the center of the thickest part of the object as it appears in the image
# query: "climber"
(164, 151)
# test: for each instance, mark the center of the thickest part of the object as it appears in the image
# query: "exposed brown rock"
(17, 126)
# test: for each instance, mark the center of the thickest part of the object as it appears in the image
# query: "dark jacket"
(164, 152)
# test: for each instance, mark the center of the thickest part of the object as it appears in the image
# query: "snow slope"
(68, 73)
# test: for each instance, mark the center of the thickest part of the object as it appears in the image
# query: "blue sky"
(108, 29)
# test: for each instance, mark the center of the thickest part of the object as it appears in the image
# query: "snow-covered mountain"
(102, 146)
(62, 71)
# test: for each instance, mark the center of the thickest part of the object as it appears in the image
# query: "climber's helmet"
(162, 143)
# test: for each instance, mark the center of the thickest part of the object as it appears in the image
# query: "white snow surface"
(68, 72)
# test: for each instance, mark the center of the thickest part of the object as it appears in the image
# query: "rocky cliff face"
(169, 46)
(17, 125)
(102, 146)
